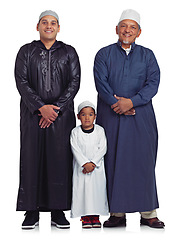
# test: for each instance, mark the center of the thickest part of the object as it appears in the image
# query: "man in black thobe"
(47, 74)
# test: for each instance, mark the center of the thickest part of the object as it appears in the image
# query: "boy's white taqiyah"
(86, 104)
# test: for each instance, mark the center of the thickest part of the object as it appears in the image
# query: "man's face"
(127, 30)
(48, 28)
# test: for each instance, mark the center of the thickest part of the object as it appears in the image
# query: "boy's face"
(87, 117)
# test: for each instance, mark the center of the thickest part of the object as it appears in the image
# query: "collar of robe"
(88, 131)
(39, 44)
(132, 45)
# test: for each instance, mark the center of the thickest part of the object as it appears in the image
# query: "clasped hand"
(48, 115)
(123, 106)
(88, 167)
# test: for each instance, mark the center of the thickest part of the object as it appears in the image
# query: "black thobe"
(46, 77)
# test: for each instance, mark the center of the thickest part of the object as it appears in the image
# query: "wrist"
(41, 108)
(131, 103)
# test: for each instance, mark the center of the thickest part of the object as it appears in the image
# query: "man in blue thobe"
(127, 78)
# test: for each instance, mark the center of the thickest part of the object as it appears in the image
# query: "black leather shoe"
(59, 220)
(31, 220)
(115, 222)
(153, 223)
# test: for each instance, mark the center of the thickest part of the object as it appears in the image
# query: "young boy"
(88, 143)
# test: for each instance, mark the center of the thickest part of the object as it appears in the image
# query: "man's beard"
(126, 42)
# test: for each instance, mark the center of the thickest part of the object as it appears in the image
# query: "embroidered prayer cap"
(49, 12)
(130, 14)
(86, 104)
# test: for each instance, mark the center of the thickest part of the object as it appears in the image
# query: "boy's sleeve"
(77, 153)
(102, 148)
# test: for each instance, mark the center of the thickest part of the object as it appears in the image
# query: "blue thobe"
(132, 140)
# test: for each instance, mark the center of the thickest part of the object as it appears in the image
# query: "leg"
(117, 214)
(149, 215)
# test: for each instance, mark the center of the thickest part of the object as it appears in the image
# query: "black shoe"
(115, 222)
(59, 220)
(152, 222)
(31, 220)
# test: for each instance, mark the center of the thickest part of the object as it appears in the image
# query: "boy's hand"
(88, 167)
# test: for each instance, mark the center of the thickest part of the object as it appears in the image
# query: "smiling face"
(48, 28)
(127, 30)
(87, 117)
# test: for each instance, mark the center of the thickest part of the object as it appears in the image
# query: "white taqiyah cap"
(49, 12)
(86, 104)
(130, 14)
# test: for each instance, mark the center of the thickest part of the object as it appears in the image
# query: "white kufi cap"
(86, 104)
(130, 14)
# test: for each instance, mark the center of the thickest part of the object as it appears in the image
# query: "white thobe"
(89, 190)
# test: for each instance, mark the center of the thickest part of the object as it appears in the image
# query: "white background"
(89, 26)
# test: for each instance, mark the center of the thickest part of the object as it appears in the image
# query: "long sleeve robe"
(132, 140)
(46, 77)
(89, 190)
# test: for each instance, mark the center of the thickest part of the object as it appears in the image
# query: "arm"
(101, 78)
(28, 94)
(151, 85)
(103, 88)
(83, 161)
(102, 148)
(74, 81)
(145, 94)
(77, 153)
